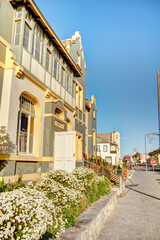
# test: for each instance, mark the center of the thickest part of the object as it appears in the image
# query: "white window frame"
(24, 36)
(68, 83)
(55, 68)
(30, 114)
(105, 148)
(17, 34)
(98, 148)
(19, 12)
(48, 57)
(38, 36)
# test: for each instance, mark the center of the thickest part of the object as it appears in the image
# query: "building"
(108, 146)
(74, 48)
(91, 126)
(86, 111)
(42, 92)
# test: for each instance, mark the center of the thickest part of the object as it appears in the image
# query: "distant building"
(108, 146)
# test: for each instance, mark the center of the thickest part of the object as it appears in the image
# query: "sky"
(121, 44)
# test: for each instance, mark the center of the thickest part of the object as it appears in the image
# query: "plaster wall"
(6, 16)
(106, 154)
(13, 87)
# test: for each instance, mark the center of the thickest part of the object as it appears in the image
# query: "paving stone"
(137, 215)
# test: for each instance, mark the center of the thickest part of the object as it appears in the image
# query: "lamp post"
(158, 87)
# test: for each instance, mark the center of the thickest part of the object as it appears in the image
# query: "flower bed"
(45, 208)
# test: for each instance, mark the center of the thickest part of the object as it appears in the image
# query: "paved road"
(137, 215)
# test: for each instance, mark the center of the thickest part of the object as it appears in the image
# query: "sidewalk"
(137, 215)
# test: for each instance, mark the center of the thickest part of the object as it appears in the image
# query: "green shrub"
(114, 166)
(69, 194)
(2, 186)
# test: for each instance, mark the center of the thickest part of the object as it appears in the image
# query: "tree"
(6, 145)
(154, 152)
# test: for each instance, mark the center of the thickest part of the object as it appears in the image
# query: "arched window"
(59, 113)
(26, 125)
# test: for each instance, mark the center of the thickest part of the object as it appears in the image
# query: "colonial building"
(108, 146)
(86, 111)
(74, 48)
(42, 92)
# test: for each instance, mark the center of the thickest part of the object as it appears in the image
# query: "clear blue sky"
(121, 42)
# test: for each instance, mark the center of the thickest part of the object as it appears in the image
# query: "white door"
(64, 150)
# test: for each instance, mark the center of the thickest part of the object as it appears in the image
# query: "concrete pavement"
(137, 215)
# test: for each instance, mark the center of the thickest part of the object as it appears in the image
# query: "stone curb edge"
(90, 222)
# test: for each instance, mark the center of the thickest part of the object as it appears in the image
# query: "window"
(28, 18)
(98, 148)
(94, 114)
(113, 148)
(37, 49)
(59, 113)
(26, 125)
(105, 148)
(74, 89)
(79, 97)
(19, 13)
(68, 83)
(26, 36)
(62, 76)
(55, 70)
(47, 59)
(17, 33)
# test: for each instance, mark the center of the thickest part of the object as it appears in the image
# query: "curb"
(90, 222)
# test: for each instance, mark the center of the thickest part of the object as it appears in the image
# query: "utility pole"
(145, 152)
(158, 87)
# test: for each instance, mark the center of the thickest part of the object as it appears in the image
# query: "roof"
(104, 138)
(47, 28)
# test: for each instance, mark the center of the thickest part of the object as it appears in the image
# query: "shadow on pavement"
(148, 195)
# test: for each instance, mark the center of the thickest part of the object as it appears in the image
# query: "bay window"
(38, 47)
(68, 83)
(55, 69)
(26, 36)
(17, 32)
(47, 59)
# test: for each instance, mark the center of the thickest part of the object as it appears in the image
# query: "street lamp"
(158, 87)
(146, 144)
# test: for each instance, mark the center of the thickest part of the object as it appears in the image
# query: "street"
(137, 215)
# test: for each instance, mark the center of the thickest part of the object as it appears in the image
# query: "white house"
(106, 148)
